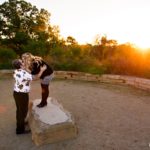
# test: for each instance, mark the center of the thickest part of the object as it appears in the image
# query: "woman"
(33, 63)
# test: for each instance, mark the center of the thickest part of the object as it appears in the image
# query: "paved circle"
(108, 116)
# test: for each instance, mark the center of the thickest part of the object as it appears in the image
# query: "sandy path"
(109, 117)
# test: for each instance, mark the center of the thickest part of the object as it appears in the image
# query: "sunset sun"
(143, 43)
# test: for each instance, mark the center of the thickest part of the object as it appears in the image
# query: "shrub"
(6, 55)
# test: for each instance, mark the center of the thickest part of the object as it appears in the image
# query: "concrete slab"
(51, 124)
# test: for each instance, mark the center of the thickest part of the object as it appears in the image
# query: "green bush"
(6, 57)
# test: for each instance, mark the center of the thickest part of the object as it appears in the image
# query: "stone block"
(51, 124)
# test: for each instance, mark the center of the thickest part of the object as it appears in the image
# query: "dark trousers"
(21, 100)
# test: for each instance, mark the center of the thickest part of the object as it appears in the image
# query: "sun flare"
(143, 46)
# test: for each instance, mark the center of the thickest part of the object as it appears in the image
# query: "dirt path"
(109, 117)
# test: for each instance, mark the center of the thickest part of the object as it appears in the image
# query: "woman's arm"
(42, 69)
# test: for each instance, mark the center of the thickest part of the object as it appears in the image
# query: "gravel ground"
(108, 116)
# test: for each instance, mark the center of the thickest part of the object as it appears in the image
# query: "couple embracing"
(29, 68)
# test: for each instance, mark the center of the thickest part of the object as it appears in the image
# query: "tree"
(16, 16)
(20, 22)
(71, 41)
(103, 47)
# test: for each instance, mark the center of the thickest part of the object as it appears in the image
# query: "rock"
(50, 124)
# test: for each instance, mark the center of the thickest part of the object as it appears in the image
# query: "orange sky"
(121, 20)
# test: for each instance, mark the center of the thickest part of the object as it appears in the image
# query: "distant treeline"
(24, 28)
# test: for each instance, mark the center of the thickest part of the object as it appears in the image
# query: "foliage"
(29, 30)
(6, 55)
(27, 23)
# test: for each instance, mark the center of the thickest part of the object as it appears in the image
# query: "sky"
(121, 20)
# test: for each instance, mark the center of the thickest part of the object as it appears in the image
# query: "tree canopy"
(20, 22)
(25, 28)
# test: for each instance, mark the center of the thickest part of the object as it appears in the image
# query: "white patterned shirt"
(22, 80)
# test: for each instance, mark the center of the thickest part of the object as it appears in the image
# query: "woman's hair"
(28, 60)
(37, 60)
